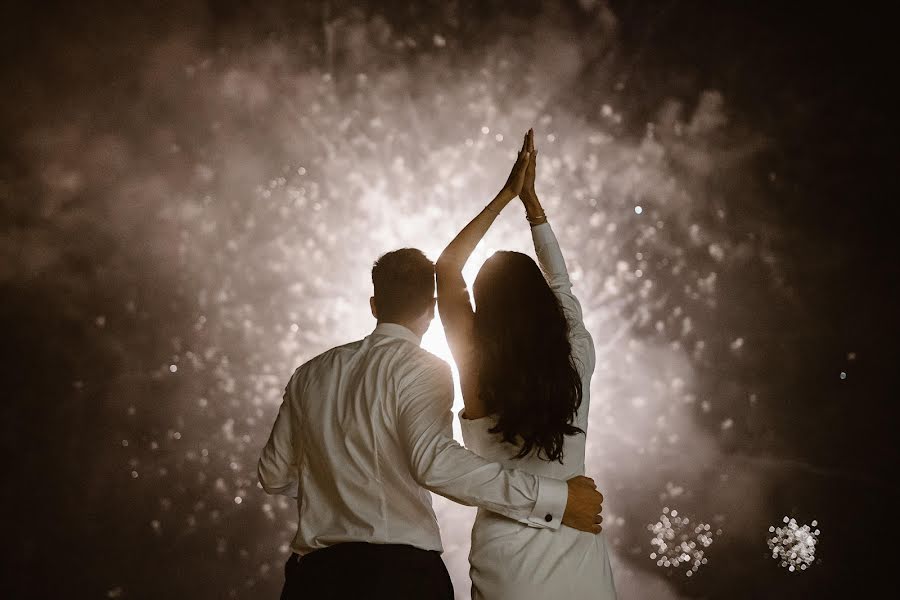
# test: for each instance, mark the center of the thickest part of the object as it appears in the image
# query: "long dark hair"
(527, 377)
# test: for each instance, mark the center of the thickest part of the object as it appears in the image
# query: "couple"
(365, 431)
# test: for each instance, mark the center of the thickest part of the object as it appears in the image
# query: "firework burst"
(793, 545)
(678, 543)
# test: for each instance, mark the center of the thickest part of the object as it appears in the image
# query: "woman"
(525, 362)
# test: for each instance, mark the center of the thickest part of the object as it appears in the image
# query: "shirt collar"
(397, 330)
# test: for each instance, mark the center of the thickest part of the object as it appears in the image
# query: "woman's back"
(491, 446)
(509, 560)
(525, 363)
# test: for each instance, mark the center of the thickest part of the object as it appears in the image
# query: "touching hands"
(516, 180)
(584, 505)
(527, 193)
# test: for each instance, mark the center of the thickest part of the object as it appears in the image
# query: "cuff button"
(548, 518)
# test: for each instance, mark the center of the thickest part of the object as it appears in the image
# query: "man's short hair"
(404, 284)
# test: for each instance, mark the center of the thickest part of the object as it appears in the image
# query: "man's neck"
(408, 326)
(411, 326)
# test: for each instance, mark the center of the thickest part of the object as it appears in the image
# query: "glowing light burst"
(679, 543)
(435, 341)
(283, 274)
(268, 233)
(794, 545)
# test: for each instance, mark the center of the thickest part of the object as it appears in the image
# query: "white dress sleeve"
(551, 261)
(478, 438)
(476, 432)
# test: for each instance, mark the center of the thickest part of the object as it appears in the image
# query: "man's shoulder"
(408, 357)
(330, 355)
(420, 361)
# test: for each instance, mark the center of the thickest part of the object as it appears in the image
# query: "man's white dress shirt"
(365, 431)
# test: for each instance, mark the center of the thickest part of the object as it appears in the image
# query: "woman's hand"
(533, 210)
(527, 193)
(513, 185)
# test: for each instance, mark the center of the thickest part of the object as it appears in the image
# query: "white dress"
(509, 560)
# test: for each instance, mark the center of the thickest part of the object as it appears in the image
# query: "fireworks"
(678, 543)
(255, 204)
(793, 545)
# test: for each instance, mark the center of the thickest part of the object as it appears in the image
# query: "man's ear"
(372, 306)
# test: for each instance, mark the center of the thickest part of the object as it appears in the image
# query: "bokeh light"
(194, 206)
(794, 545)
(679, 542)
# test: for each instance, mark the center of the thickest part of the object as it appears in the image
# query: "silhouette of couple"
(365, 430)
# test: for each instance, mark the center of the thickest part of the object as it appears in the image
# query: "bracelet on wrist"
(536, 219)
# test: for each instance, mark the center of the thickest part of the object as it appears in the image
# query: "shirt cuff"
(550, 505)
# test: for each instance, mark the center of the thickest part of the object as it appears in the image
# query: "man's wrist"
(550, 506)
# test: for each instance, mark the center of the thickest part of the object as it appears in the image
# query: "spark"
(793, 545)
(678, 543)
(276, 236)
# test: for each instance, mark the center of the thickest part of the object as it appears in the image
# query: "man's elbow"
(263, 479)
(268, 488)
(278, 485)
(268, 483)
(289, 489)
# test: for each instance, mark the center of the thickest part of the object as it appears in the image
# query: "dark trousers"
(356, 570)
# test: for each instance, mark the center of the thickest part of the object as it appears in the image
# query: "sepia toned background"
(192, 195)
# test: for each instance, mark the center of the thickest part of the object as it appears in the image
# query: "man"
(364, 433)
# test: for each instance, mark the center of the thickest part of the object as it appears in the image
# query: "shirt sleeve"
(552, 263)
(442, 466)
(277, 467)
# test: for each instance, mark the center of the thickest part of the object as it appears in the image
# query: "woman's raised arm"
(551, 261)
(453, 296)
(458, 251)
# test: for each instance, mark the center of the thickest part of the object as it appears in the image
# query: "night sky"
(192, 195)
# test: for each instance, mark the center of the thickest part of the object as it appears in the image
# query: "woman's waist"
(545, 468)
(490, 527)
(492, 532)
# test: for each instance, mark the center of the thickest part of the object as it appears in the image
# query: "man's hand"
(513, 185)
(584, 505)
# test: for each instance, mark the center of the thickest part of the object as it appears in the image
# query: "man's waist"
(421, 540)
(363, 549)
